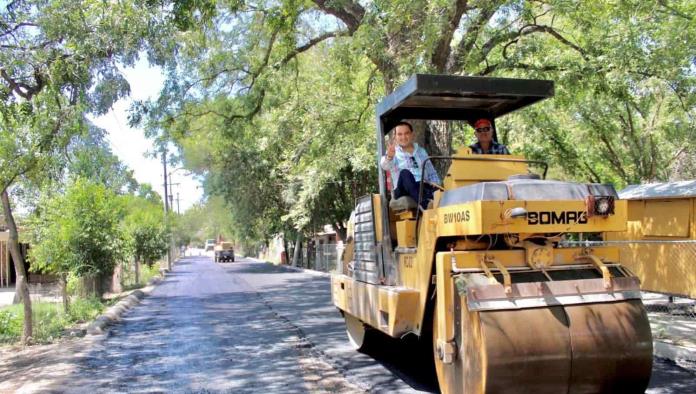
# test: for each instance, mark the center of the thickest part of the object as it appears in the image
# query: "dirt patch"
(35, 368)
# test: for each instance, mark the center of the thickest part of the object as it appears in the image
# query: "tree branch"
(629, 126)
(613, 157)
(22, 89)
(595, 178)
(314, 41)
(264, 63)
(510, 37)
(349, 12)
(464, 48)
(519, 66)
(674, 11)
(443, 48)
(17, 27)
(550, 30)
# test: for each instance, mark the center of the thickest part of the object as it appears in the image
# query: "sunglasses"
(415, 163)
(483, 129)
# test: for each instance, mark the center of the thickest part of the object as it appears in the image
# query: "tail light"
(599, 205)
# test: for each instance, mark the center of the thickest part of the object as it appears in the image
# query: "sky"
(130, 144)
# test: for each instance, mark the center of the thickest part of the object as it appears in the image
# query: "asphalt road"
(239, 327)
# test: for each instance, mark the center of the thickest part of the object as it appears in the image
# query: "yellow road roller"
(482, 271)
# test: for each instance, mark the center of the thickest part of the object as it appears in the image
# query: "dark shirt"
(495, 149)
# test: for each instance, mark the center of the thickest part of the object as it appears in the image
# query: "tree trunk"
(22, 279)
(285, 251)
(115, 282)
(298, 249)
(64, 291)
(137, 272)
(439, 143)
(341, 231)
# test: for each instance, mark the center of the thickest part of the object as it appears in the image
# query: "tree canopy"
(59, 60)
(145, 232)
(79, 232)
(273, 101)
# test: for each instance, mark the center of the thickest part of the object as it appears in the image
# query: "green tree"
(148, 238)
(59, 60)
(205, 220)
(146, 191)
(90, 157)
(78, 233)
(277, 96)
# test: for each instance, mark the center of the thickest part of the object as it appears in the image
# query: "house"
(8, 275)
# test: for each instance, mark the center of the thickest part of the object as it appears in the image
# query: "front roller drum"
(587, 348)
(359, 336)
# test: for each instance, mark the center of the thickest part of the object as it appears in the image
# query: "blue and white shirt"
(412, 162)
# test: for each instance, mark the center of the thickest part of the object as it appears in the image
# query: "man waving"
(404, 159)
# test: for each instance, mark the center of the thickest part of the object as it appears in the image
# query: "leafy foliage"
(59, 61)
(270, 99)
(90, 157)
(79, 232)
(205, 221)
(147, 236)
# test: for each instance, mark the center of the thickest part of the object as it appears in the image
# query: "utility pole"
(166, 189)
(166, 206)
(171, 194)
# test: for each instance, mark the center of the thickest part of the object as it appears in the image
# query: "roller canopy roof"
(447, 97)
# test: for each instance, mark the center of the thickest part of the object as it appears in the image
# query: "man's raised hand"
(391, 149)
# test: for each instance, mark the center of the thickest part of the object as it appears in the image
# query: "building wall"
(8, 275)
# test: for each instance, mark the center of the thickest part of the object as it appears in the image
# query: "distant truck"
(209, 244)
(224, 251)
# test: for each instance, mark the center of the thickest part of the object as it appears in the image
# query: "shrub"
(10, 324)
(49, 319)
(85, 309)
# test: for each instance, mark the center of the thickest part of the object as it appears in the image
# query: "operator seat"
(402, 221)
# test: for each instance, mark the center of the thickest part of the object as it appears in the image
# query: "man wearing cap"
(484, 136)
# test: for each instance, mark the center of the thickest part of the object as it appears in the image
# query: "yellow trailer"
(659, 243)
(481, 275)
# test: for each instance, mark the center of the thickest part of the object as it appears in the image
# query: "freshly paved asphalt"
(243, 327)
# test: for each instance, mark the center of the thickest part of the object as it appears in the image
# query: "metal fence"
(323, 257)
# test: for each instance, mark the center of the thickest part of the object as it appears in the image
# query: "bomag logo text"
(550, 217)
(455, 217)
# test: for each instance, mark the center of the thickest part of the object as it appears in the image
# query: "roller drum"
(587, 348)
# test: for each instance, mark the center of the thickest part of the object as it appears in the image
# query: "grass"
(146, 273)
(50, 320)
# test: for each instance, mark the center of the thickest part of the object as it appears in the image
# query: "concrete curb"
(113, 315)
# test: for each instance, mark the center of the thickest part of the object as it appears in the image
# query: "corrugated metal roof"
(681, 189)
